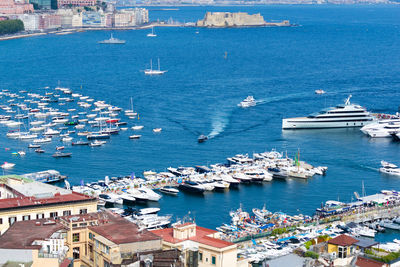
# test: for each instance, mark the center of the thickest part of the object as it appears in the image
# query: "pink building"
(10, 7)
(62, 3)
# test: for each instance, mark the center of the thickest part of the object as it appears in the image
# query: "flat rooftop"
(22, 234)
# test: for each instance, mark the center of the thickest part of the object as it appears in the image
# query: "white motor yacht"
(7, 165)
(389, 168)
(341, 116)
(247, 102)
(50, 131)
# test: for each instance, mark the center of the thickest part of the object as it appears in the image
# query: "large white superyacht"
(341, 116)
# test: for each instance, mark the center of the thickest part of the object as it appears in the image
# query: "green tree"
(11, 26)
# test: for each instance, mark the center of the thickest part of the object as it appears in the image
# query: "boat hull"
(306, 123)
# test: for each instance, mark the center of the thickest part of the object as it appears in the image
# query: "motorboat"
(7, 165)
(151, 71)
(144, 194)
(262, 214)
(42, 140)
(341, 116)
(137, 127)
(320, 92)
(389, 168)
(60, 147)
(80, 143)
(93, 136)
(135, 136)
(242, 177)
(39, 150)
(248, 102)
(157, 130)
(66, 139)
(202, 138)
(169, 190)
(61, 155)
(258, 175)
(27, 136)
(33, 146)
(192, 187)
(111, 198)
(148, 211)
(112, 40)
(50, 131)
(97, 143)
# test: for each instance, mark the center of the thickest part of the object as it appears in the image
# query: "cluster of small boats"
(63, 116)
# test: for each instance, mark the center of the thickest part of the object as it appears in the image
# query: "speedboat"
(135, 136)
(137, 127)
(169, 190)
(7, 165)
(242, 177)
(50, 131)
(319, 92)
(341, 116)
(202, 138)
(42, 140)
(157, 130)
(247, 102)
(80, 143)
(148, 211)
(389, 168)
(144, 194)
(191, 187)
(33, 146)
(258, 175)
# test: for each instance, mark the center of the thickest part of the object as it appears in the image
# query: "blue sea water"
(341, 49)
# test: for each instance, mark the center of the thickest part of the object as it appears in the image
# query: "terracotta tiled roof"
(343, 240)
(364, 262)
(11, 203)
(21, 234)
(122, 231)
(201, 237)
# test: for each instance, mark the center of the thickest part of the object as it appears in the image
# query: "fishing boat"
(169, 190)
(154, 72)
(61, 155)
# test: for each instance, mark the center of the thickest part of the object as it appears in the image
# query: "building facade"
(74, 3)
(200, 246)
(11, 7)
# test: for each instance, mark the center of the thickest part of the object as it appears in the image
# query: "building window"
(53, 214)
(91, 236)
(39, 216)
(66, 212)
(91, 252)
(213, 260)
(342, 252)
(12, 220)
(82, 211)
(75, 237)
(1, 221)
(26, 217)
(76, 253)
(106, 264)
(200, 256)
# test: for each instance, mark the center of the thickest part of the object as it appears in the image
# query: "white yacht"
(154, 72)
(248, 102)
(341, 116)
(389, 168)
(383, 130)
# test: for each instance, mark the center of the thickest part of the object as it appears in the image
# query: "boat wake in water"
(219, 122)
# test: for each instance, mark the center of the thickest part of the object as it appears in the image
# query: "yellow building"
(103, 238)
(201, 246)
(22, 199)
(342, 248)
